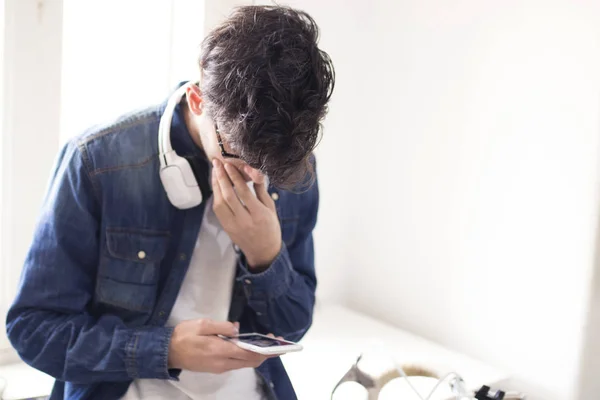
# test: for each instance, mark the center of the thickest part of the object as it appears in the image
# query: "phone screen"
(261, 341)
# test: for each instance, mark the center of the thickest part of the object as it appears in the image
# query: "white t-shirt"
(205, 293)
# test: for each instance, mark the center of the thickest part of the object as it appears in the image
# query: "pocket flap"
(138, 246)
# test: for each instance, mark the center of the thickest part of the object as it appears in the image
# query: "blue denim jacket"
(92, 314)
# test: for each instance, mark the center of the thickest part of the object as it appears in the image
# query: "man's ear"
(194, 99)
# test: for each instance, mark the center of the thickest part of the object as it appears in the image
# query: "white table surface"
(339, 335)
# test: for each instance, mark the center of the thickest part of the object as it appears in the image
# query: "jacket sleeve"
(281, 299)
(49, 324)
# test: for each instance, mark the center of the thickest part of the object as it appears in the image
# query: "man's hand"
(252, 225)
(195, 347)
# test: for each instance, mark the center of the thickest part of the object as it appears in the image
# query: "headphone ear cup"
(180, 183)
(176, 173)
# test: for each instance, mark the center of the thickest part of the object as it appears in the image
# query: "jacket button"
(272, 385)
(141, 254)
(248, 282)
(274, 196)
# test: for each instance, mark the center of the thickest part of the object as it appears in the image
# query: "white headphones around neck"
(176, 172)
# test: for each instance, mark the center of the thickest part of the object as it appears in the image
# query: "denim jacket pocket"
(130, 268)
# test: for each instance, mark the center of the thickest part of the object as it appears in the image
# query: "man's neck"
(190, 123)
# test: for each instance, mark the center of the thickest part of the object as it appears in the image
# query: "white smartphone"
(263, 344)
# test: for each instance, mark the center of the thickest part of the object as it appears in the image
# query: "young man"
(125, 289)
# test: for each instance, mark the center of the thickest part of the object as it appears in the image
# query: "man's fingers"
(219, 204)
(210, 327)
(254, 174)
(241, 187)
(262, 194)
(232, 363)
(275, 337)
(241, 354)
(230, 350)
(227, 192)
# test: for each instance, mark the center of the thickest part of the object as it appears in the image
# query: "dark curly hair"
(267, 84)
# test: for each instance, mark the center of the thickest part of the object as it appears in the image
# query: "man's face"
(207, 130)
(210, 142)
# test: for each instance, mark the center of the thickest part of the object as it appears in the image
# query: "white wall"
(118, 70)
(123, 69)
(3, 287)
(589, 385)
(459, 171)
(29, 132)
(493, 112)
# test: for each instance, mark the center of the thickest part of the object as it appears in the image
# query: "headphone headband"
(164, 128)
(176, 174)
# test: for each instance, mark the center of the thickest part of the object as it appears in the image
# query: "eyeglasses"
(223, 152)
